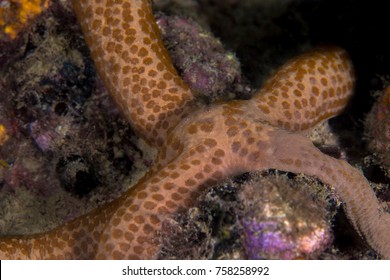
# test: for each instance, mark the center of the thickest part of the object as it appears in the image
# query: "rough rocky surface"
(64, 149)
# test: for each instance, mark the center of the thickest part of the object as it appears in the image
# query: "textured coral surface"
(48, 133)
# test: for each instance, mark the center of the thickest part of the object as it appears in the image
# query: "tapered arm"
(307, 90)
(295, 153)
(131, 59)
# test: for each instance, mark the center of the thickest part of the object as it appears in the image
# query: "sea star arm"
(135, 67)
(77, 239)
(295, 153)
(133, 231)
(307, 90)
(128, 228)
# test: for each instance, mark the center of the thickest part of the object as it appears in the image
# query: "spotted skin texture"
(307, 91)
(125, 44)
(197, 150)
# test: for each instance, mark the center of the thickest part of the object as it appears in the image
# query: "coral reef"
(62, 127)
(16, 14)
(56, 139)
(200, 58)
(281, 221)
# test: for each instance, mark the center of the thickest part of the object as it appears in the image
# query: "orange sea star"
(198, 147)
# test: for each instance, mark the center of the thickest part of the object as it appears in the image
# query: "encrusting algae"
(15, 14)
(200, 146)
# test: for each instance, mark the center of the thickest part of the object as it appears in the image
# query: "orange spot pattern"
(126, 46)
(307, 90)
(197, 150)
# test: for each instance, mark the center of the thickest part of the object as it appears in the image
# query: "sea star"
(200, 145)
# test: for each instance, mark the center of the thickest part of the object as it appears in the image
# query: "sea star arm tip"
(308, 89)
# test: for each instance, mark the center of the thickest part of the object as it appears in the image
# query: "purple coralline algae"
(279, 224)
(200, 58)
